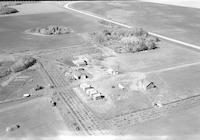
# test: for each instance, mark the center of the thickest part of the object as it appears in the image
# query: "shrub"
(125, 40)
(51, 30)
(7, 10)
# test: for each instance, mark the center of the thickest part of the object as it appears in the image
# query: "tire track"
(81, 113)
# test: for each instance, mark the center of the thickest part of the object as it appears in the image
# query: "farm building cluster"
(85, 72)
(78, 72)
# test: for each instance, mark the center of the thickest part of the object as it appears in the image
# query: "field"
(18, 84)
(13, 28)
(35, 117)
(171, 70)
(63, 108)
(171, 21)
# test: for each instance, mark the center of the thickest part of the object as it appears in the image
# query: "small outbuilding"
(97, 96)
(91, 91)
(85, 86)
(121, 86)
(26, 95)
(12, 128)
(146, 85)
(157, 104)
(78, 75)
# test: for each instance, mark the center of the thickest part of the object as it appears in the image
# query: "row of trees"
(18, 66)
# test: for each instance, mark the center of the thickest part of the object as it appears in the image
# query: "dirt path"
(173, 68)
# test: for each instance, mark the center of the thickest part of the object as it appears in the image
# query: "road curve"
(68, 6)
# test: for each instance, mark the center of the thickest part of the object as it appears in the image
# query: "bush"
(7, 10)
(126, 40)
(51, 30)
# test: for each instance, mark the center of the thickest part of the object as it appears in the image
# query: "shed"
(97, 96)
(84, 86)
(80, 62)
(158, 104)
(121, 86)
(91, 91)
(26, 95)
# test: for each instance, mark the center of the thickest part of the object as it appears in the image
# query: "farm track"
(89, 123)
(130, 119)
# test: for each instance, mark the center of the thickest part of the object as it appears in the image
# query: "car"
(26, 95)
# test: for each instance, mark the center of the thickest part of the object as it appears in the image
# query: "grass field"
(13, 27)
(15, 85)
(167, 20)
(36, 118)
(168, 55)
(181, 125)
(178, 83)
